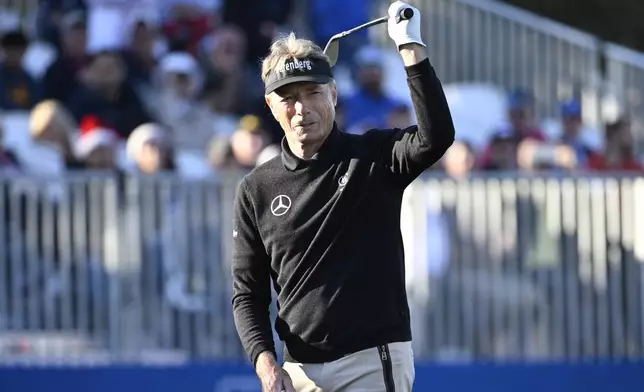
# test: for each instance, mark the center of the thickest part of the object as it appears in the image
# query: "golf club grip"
(405, 14)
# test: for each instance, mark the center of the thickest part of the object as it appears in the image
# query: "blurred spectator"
(17, 88)
(459, 160)
(150, 147)
(9, 163)
(400, 117)
(106, 94)
(501, 153)
(50, 123)
(572, 127)
(96, 145)
(220, 154)
(329, 17)
(140, 51)
(109, 22)
(620, 149)
(50, 15)
(187, 22)
(61, 77)
(191, 124)
(233, 87)
(522, 116)
(536, 155)
(248, 142)
(259, 21)
(243, 149)
(370, 107)
(521, 125)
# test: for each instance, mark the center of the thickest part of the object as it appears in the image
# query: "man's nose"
(301, 107)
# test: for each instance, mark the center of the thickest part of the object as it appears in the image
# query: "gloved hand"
(405, 31)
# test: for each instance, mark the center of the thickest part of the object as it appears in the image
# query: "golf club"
(333, 46)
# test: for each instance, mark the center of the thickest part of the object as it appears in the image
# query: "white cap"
(98, 137)
(179, 62)
(143, 134)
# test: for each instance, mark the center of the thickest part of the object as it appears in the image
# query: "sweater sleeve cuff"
(418, 69)
(260, 348)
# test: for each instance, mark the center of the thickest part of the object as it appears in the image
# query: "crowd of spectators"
(183, 77)
(523, 145)
(177, 77)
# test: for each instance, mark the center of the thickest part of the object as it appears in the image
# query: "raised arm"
(411, 151)
(251, 280)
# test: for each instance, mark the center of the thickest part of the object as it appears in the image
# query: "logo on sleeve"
(343, 181)
(280, 205)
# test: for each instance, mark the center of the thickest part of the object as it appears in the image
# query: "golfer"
(321, 222)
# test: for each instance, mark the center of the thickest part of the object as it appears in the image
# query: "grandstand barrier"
(100, 269)
(226, 377)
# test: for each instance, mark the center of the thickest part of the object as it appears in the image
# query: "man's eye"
(286, 99)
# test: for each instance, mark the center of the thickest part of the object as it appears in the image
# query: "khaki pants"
(388, 368)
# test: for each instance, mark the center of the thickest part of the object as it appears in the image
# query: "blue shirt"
(365, 109)
(18, 90)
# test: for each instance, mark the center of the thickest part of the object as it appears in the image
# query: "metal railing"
(529, 268)
(95, 268)
(486, 41)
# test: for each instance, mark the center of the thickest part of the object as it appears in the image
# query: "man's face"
(14, 55)
(521, 117)
(101, 158)
(229, 47)
(51, 134)
(370, 77)
(458, 159)
(247, 146)
(572, 125)
(181, 85)
(143, 38)
(107, 70)
(75, 40)
(153, 156)
(304, 110)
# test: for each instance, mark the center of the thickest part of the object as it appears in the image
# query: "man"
(322, 222)
(18, 89)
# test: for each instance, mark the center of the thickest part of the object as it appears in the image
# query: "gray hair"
(291, 47)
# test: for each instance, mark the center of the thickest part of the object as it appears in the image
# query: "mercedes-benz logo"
(343, 180)
(280, 205)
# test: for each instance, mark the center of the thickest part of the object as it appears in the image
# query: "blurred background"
(125, 127)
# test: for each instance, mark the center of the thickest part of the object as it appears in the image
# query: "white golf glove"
(405, 31)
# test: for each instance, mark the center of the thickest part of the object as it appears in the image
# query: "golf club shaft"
(364, 26)
(406, 13)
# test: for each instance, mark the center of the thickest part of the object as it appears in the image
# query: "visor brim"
(319, 79)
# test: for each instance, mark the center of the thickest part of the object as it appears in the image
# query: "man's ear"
(334, 93)
(267, 98)
(269, 103)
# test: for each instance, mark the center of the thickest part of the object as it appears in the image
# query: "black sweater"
(326, 232)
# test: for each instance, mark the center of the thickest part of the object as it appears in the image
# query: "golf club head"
(332, 50)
